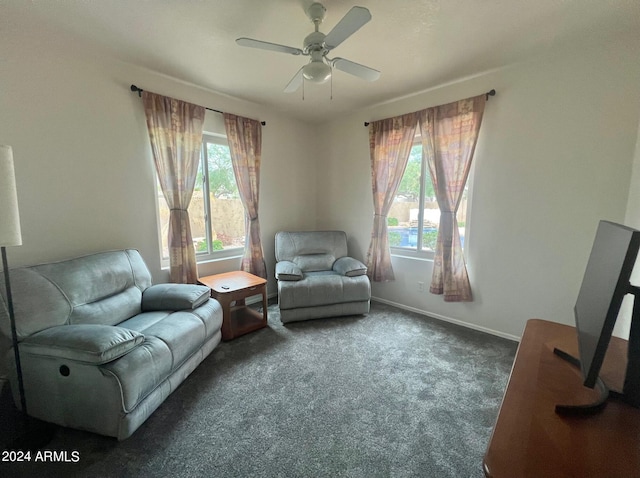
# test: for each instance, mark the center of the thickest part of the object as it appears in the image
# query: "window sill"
(426, 256)
(211, 258)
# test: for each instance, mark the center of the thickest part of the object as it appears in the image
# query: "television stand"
(587, 409)
(531, 440)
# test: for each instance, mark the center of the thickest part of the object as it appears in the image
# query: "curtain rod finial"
(135, 88)
(491, 93)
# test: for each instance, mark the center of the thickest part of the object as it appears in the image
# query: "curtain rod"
(488, 94)
(134, 88)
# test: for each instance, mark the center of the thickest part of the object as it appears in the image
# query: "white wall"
(554, 157)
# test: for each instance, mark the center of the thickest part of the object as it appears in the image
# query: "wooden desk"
(531, 440)
(231, 289)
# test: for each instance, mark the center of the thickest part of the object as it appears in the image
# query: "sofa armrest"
(90, 343)
(174, 297)
(350, 267)
(287, 270)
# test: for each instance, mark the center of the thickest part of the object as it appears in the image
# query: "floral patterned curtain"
(449, 134)
(245, 144)
(390, 142)
(175, 131)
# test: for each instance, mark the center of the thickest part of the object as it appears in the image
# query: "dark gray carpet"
(391, 394)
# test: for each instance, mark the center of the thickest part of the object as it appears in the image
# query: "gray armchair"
(317, 279)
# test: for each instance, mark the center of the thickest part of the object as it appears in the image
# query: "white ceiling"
(416, 44)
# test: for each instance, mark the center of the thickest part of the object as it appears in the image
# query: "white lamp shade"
(10, 234)
(316, 71)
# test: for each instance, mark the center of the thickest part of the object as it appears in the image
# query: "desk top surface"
(531, 440)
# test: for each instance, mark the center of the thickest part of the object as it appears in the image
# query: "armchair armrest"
(90, 343)
(350, 267)
(174, 297)
(287, 270)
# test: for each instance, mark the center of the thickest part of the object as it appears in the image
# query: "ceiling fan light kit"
(317, 45)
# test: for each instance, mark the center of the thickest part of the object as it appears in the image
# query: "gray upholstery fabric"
(91, 358)
(317, 279)
(324, 311)
(311, 250)
(174, 297)
(323, 289)
(287, 270)
(91, 343)
(348, 266)
(103, 288)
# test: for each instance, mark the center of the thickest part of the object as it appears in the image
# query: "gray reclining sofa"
(101, 348)
(317, 279)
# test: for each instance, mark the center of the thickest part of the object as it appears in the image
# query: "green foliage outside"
(222, 181)
(410, 184)
(394, 238)
(429, 240)
(392, 221)
(217, 244)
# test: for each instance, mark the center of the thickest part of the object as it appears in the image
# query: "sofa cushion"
(350, 267)
(174, 297)
(287, 270)
(323, 288)
(311, 250)
(101, 288)
(140, 371)
(90, 343)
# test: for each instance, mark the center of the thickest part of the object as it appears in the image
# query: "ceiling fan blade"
(350, 23)
(265, 45)
(295, 82)
(355, 69)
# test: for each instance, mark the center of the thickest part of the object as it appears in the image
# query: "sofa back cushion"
(102, 288)
(311, 250)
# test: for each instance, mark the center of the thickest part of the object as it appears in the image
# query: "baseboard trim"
(447, 319)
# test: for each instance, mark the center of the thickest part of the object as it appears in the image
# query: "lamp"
(316, 71)
(10, 235)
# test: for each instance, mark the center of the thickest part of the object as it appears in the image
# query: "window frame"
(419, 253)
(210, 255)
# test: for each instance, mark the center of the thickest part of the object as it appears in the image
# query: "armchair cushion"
(89, 343)
(287, 270)
(174, 297)
(350, 267)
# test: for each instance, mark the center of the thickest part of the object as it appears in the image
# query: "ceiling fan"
(317, 45)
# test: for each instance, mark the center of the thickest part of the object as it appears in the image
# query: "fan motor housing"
(314, 41)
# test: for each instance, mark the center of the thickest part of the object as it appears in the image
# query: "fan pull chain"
(331, 98)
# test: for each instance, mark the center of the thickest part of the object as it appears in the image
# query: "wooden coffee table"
(231, 289)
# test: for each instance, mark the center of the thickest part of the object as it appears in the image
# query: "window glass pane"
(430, 215)
(403, 216)
(223, 228)
(227, 212)
(414, 216)
(196, 214)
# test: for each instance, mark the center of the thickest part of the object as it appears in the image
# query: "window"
(216, 211)
(414, 215)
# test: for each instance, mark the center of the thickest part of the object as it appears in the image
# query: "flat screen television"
(606, 281)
